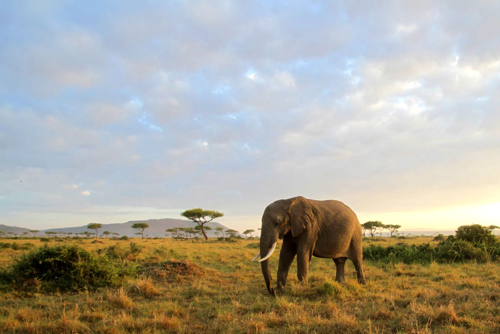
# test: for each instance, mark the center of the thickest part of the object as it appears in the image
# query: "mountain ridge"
(156, 227)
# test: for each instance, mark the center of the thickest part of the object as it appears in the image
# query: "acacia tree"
(49, 233)
(141, 227)
(231, 233)
(248, 232)
(392, 228)
(201, 217)
(94, 226)
(174, 232)
(219, 231)
(493, 227)
(197, 228)
(372, 226)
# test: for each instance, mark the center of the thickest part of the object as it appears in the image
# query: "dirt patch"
(174, 271)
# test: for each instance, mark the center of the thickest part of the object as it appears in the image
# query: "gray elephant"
(325, 229)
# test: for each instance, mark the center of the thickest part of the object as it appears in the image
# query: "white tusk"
(256, 256)
(270, 253)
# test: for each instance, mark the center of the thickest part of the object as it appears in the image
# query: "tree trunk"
(203, 231)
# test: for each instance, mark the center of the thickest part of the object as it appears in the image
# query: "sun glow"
(447, 218)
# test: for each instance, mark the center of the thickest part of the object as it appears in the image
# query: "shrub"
(439, 237)
(400, 253)
(457, 250)
(160, 251)
(475, 234)
(472, 243)
(135, 249)
(16, 246)
(64, 268)
(114, 252)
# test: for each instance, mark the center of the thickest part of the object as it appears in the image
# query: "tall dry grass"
(211, 287)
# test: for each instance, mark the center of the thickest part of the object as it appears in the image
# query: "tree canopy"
(94, 226)
(141, 227)
(392, 228)
(372, 226)
(248, 232)
(201, 217)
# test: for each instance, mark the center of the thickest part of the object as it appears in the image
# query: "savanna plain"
(188, 286)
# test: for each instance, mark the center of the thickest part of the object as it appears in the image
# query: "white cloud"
(162, 104)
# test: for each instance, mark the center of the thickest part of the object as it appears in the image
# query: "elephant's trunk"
(266, 244)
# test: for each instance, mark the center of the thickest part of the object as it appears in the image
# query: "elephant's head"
(280, 218)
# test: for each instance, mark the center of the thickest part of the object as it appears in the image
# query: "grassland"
(211, 287)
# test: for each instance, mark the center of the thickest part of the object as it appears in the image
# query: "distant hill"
(156, 228)
(12, 229)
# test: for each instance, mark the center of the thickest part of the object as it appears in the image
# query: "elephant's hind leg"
(339, 263)
(359, 270)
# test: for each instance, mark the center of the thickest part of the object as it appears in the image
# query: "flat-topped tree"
(141, 227)
(231, 233)
(219, 231)
(392, 228)
(372, 226)
(201, 217)
(248, 232)
(94, 226)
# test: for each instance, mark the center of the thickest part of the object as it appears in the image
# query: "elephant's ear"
(301, 215)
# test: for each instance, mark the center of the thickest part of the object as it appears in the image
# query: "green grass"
(211, 287)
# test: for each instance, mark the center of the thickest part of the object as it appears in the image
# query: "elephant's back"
(335, 209)
(339, 225)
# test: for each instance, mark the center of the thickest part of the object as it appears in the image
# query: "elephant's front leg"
(287, 255)
(303, 258)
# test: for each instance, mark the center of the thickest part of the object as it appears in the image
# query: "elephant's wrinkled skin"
(325, 229)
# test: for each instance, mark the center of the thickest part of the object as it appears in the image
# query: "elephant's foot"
(278, 290)
(272, 292)
(361, 280)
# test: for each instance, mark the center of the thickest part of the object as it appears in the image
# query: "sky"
(113, 111)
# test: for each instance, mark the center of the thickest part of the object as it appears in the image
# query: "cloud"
(171, 105)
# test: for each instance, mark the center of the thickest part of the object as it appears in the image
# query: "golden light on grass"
(146, 288)
(189, 290)
(120, 299)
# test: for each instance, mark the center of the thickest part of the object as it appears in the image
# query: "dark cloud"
(126, 108)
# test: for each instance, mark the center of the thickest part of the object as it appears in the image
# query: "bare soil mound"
(172, 271)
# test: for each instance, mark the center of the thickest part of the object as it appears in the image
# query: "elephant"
(325, 229)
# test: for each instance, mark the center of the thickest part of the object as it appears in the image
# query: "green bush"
(135, 248)
(400, 253)
(114, 252)
(16, 246)
(439, 237)
(471, 243)
(160, 251)
(475, 234)
(64, 268)
(457, 250)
